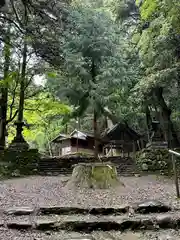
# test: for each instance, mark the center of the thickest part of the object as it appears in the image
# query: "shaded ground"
(35, 191)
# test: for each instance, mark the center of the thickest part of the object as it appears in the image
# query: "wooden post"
(141, 144)
(134, 150)
(59, 150)
(138, 143)
(111, 150)
(77, 140)
(77, 143)
(175, 175)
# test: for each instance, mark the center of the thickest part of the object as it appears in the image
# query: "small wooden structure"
(120, 140)
(77, 141)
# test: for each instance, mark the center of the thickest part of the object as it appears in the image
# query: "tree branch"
(12, 118)
(4, 41)
(15, 12)
(11, 21)
(34, 94)
(28, 82)
(33, 109)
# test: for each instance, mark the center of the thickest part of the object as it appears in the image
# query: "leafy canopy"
(95, 60)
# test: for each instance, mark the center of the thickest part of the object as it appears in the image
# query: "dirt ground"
(39, 191)
(161, 235)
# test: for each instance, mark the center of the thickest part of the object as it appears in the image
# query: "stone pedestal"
(95, 176)
(156, 139)
(19, 142)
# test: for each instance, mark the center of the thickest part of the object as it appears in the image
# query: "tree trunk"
(22, 84)
(148, 121)
(95, 136)
(93, 74)
(66, 128)
(166, 115)
(49, 144)
(4, 93)
(19, 129)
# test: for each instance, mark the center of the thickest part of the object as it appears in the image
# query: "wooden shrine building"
(120, 140)
(77, 141)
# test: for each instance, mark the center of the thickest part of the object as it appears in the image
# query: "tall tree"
(158, 46)
(93, 57)
(4, 90)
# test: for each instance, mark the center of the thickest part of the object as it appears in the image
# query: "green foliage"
(43, 115)
(158, 46)
(149, 9)
(8, 80)
(95, 62)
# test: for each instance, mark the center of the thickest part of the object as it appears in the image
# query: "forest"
(76, 63)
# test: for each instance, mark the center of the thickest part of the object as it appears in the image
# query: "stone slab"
(76, 210)
(88, 224)
(20, 225)
(18, 211)
(46, 225)
(151, 206)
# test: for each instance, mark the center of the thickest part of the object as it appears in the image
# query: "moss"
(18, 163)
(104, 176)
(94, 175)
(154, 160)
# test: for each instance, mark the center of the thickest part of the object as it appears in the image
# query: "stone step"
(50, 169)
(119, 169)
(56, 169)
(70, 170)
(68, 173)
(89, 223)
(59, 166)
(70, 162)
(54, 166)
(150, 206)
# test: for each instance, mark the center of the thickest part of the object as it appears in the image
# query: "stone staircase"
(111, 223)
(64, 166)
(52, 166)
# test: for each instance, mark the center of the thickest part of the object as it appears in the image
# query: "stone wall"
(18, 163)
(22, 163)
(151, 160)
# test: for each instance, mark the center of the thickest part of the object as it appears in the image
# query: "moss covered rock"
(18, 163)
(94, 175)
(153, 160)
